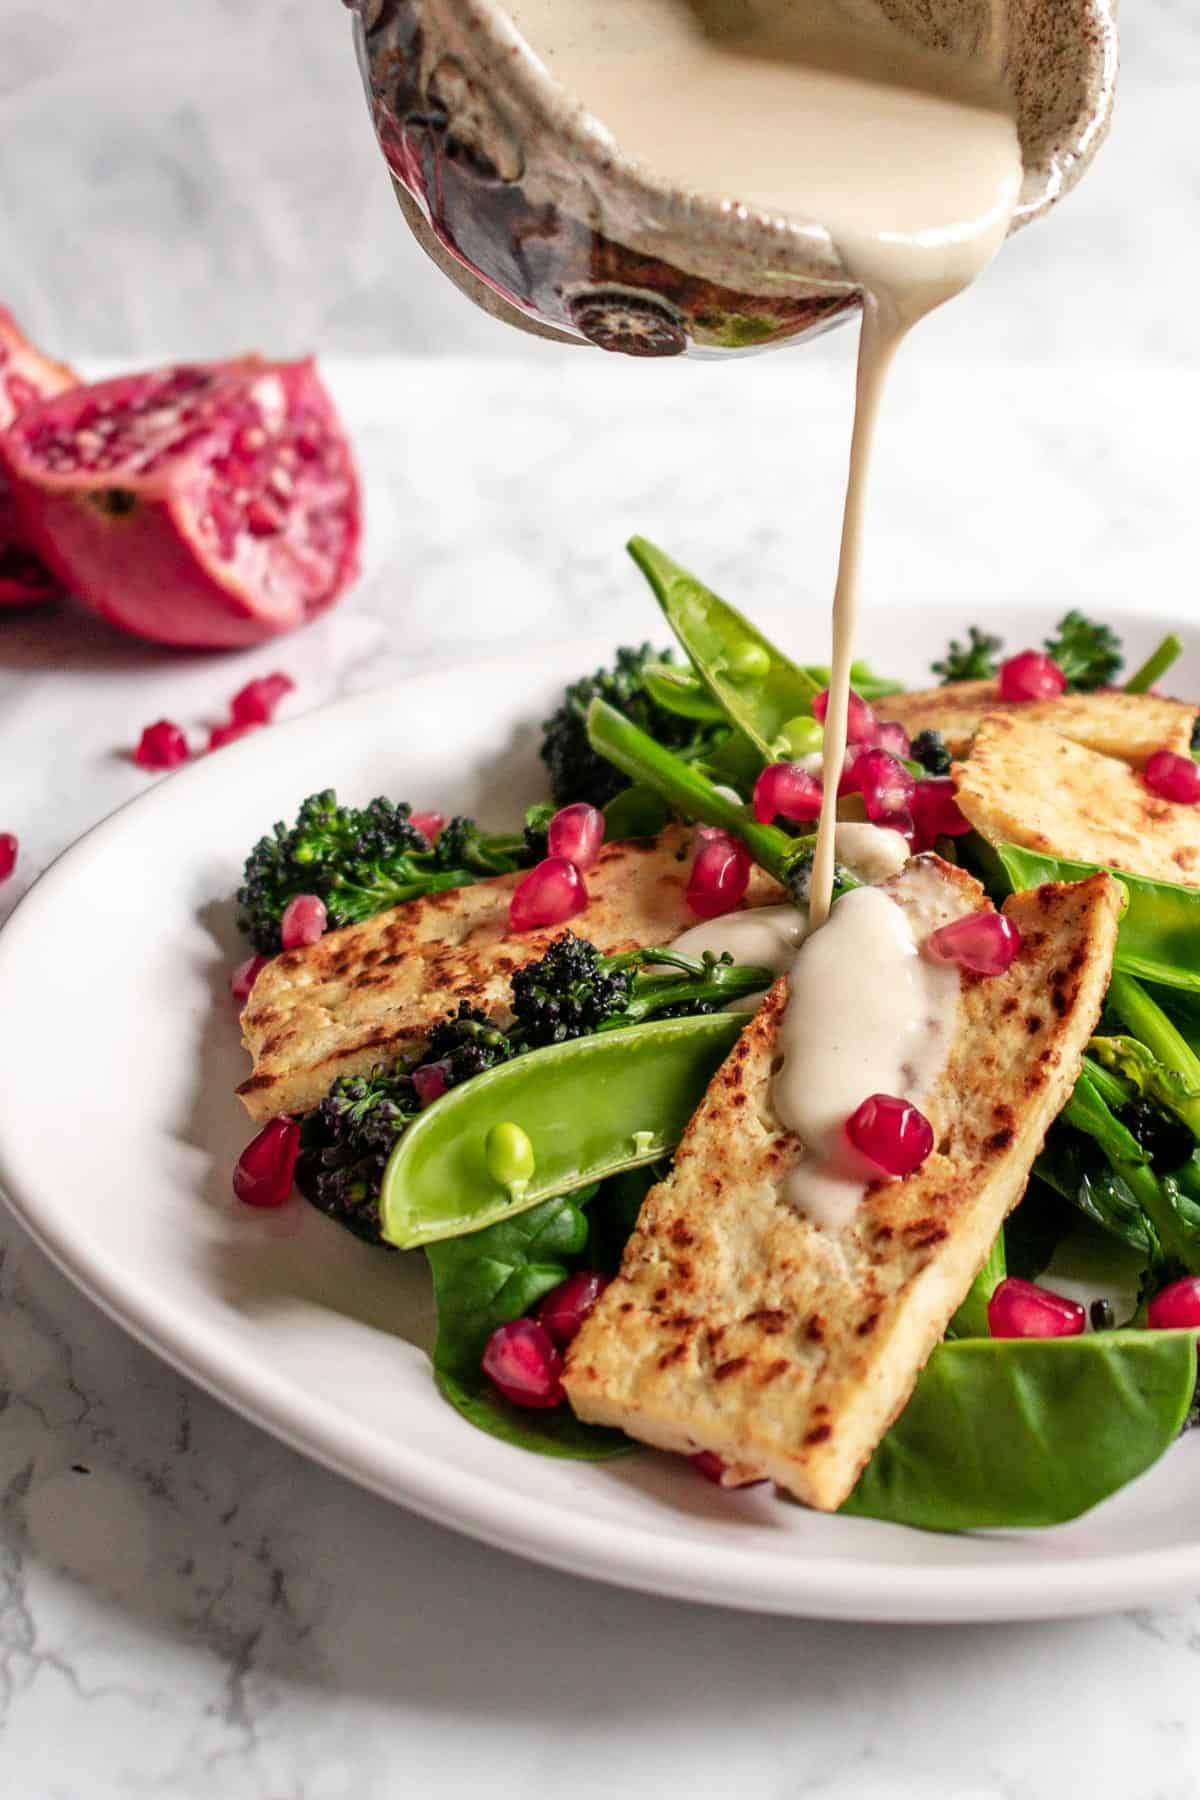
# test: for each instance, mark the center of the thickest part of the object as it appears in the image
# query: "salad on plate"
(901, 1213)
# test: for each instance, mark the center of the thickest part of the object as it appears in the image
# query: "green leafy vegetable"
(1088, 653)
(1006, 1433)
(973, 661)
(971, 1319)
(1155, 665)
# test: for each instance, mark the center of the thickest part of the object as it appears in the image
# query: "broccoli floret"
(571, 991)
(537, 822)
(929, 749)
(345, 1144)
(466, 1043)
(799, 880)
(974, 661)
(576, 771)
(359, 861)
(1089, 655)
(1165, 1139)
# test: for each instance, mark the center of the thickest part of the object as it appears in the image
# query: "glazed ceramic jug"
(527, 203)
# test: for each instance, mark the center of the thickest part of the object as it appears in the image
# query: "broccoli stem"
(1155, 665)
(1147, 1022)
(712, 982)
(1087, 1111)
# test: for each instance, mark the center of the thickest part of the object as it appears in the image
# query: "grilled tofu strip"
(1024, 784)
(373, 991)
(737, 1325)
(1128, 726)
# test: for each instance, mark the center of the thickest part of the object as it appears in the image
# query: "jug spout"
(527, 204)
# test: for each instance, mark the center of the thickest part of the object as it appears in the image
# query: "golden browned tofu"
(740, 1326)
(373, 991)
(1130, 726)
(1024, 784)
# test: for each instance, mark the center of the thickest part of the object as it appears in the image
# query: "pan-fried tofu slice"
(1131, 726)
(1024, 784)
(740, 1326)
(373, 991)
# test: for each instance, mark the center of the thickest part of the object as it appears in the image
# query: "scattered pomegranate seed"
(713, 1468)
(936, 812)
(885, 784)
(565, 1307)
(429, 824)
(8, 854)
(522, 1362)
(255, 703)
(577, 833)
(552, 892)
(862, 727)
(241, 982)
(784, 789)
(430, 1081)
(719, 878)
(227, 734)
(266, 1167)
(891, 736)
(1178, 1306)
(1173, 777)
(893, 1134)
(1031, 675)
(303, 921)
(1022, 1309)
(161, 746)
(983, 942)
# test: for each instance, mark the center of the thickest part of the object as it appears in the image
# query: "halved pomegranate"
(211, 506)
(25, 376)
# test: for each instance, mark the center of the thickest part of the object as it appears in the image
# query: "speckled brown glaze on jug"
(522, 198)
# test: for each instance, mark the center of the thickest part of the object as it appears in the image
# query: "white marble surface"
(188, 1609)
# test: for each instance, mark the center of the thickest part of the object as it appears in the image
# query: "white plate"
(118, 1130)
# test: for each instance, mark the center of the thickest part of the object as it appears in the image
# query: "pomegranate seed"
(303, 921)
(227, 734)
(161, 746)
(983, 942)
(1031, 675)
(936, 812)
(1022, 1309)
(719, 878)
(565, 1307)
(255, 703)
(577, 833)
(429, 824)
(264, 1172)
(8, 854)
(241, 983)
(522, 1362)
(892, 737)
(713, 1468)
(891, 1133)
(901, 822)
(551, 893)
(848, 782)
(430, 1081)
(885, 784)
(862, 727)
(784, 788)
(1173, 777)
(1177, 1307)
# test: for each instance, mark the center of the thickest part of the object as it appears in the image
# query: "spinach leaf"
(486, 1279)
(1020, 1432)
(971, 1319)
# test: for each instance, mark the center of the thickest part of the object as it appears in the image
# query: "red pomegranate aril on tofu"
(255, 703)
(936, 812)
(576, 832)
(1177, 1307)
(521, 1360)
(1031, 675)
(1172, 777)
(862, 726)
(985, 943)
(891, 1133)
(8, 854)
(786, 790)
(303, 922)
(429, 824)
(551, 893)
(267, 1166)
(565, 1307)
(161, 746)
(1023, 1309)
(719, 877)
(241, 982)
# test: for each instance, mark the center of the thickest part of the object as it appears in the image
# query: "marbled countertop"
(187, 1608)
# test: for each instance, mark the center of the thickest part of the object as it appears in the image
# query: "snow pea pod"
(1008, 1432)
(589, 1108)
(1159, 937)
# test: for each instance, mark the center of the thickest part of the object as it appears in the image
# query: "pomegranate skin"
(210, 507)
(25, 376)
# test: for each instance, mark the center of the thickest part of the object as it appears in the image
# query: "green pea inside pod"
(547, 1123)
